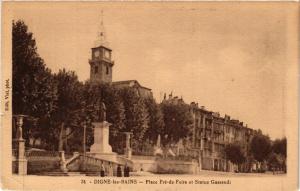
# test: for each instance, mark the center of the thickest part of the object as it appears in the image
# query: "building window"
(107, 70)
(96, 69)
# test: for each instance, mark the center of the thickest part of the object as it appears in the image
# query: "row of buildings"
(212, 132)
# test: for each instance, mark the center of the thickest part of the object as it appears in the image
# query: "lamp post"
(20, 143)
(84, 125)
(84, 145)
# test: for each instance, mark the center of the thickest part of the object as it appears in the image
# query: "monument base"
(22, 166)
(100, 148)
(128, 153)
(101, 136)
(112, 157)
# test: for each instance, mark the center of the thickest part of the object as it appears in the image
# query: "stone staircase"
(92, 173)
(60, 173)
(92, 164)
(97, 161)
(73, 166)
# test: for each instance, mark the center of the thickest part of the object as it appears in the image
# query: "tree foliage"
(234, 153)
(34, 92)
(156, 120)
(69, 111)
(136, 114)
(279, 146)
(260, 147)
(275, 160)
(177, 119)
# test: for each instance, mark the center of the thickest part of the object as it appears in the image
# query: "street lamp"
(84, 125)
(20, 145)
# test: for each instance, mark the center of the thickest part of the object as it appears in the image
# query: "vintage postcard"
(149, 95)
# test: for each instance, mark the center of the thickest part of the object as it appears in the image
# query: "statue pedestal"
(101, 137)
(101, 148)
(128, 153)
(22, 166)
(112, 157)
(21, 159)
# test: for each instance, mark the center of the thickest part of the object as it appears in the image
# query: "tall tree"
(279, 146)
(260, 147)
(156, 120)
(274, 160)
(177, 119)
(68, 113)
(136, 115)
(34, 90)
(279, 153)
(234, 153)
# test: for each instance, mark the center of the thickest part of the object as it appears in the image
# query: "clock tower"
(101, 61)
(101, 65)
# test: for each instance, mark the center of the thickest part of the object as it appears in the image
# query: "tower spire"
(101, 37)
(101, 17)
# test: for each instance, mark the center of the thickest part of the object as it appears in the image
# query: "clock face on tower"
(96, 53)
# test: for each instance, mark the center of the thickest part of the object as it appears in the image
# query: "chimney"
(193, 104)
(174, 100)
(227, 117)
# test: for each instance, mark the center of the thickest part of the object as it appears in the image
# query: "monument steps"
(92, 173)
(100, 155)
(59, 173)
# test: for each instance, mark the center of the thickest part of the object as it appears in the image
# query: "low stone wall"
(46, 164)
(163, 166)
(144, 163)
(176, 167)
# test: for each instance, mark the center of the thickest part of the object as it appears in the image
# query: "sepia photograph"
(165, 94)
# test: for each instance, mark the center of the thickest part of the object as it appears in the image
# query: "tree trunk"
(66, 145)
(61, 142)
(33, 142)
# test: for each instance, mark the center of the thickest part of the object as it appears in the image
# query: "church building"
(101, 67)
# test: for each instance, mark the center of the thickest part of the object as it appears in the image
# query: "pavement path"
(207, 173)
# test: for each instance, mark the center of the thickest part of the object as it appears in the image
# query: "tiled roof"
(127, 82)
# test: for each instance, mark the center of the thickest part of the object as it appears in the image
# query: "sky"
(230, 58)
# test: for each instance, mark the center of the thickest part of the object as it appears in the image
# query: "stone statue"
(158, 141)
(102, 112)
(157, 148)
